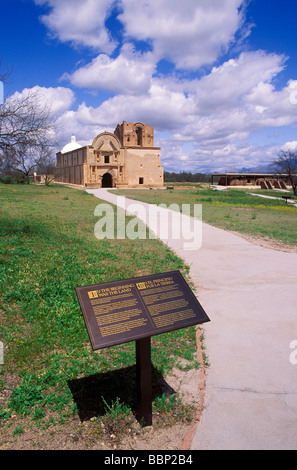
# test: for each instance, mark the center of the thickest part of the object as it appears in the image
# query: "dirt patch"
(267, 243)
(86, 436)
(176, 188)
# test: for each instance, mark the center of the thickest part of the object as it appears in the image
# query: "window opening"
(139, 136)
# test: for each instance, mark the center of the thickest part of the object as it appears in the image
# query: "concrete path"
(250, 295)
(289, 201)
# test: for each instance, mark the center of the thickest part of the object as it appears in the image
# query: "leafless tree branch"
(286, 163)
(26, 132)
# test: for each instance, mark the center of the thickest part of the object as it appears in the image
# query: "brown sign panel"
(131, 309)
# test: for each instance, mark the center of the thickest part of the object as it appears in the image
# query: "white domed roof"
(73, 145)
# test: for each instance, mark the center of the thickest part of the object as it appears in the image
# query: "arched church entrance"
(107, 180)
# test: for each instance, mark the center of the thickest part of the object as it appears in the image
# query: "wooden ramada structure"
(264, 180)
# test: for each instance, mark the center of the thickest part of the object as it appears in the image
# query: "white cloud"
(163, 108)
(292, 146)
(56, 100)
(233, 83)
(129, 73)
(205, 159)
(237, 98)
(208, 120)
(80, 22)
(190, 33)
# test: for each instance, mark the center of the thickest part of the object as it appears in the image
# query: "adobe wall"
(145, 164)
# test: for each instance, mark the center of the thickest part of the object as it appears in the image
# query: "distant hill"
(258, 169)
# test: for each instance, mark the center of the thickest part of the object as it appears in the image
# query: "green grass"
(48, 248)
(234, 209)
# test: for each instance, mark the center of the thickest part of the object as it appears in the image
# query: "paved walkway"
(289, 200)
(250, 295)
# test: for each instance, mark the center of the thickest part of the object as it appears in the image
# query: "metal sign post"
(144, 381)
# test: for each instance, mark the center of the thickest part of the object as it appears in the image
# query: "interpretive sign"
(127, 310)
(134, 310)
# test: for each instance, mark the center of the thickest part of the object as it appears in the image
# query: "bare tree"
(47, 168)
(26, 132)
(22, 121)
(286, 163)
(26, 158)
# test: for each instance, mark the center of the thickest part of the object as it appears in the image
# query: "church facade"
(125, 158)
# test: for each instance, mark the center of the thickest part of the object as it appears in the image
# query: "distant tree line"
(10, 177)
(185, 176)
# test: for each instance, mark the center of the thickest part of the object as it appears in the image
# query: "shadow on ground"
(119, 384)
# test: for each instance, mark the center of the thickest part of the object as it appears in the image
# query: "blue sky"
(217, 79)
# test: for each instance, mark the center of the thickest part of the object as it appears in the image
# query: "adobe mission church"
(126, 158)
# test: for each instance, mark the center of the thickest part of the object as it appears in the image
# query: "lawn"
(236, 210)
(50, 374)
